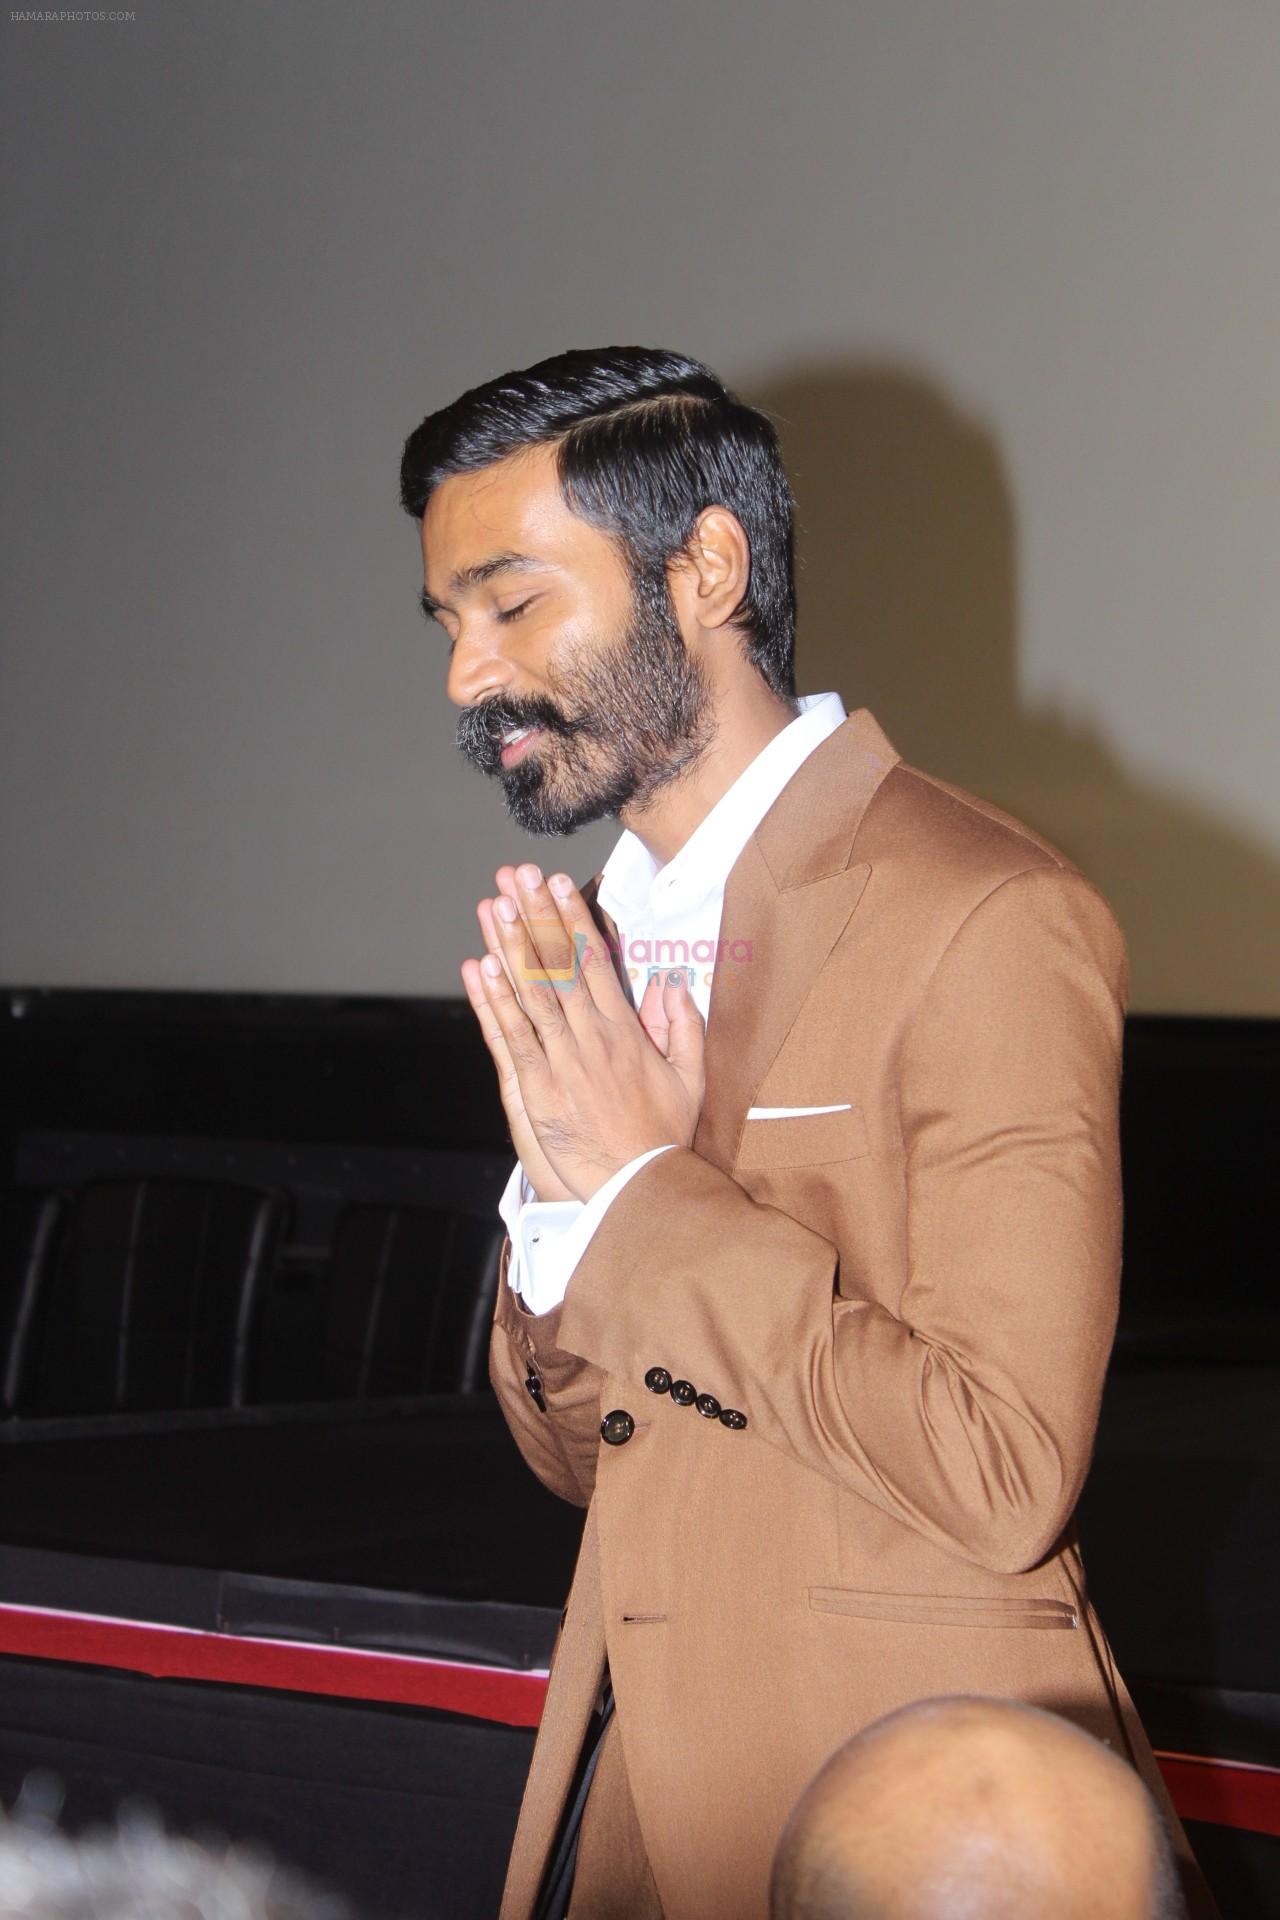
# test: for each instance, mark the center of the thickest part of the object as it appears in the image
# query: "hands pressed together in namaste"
(587, 1082)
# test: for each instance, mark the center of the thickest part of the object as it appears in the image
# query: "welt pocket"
(944, 1610)
(803, 1139)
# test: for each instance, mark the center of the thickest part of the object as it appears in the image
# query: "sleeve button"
(730, 1417)
(708, 1406)
(683, 1392)
(658, 1380)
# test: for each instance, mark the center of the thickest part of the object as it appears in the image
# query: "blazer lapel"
(789, 897)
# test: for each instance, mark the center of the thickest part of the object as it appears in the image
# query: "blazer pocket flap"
(943, 1610)
(781, 1139)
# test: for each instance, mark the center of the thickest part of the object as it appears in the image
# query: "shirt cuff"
(549, 1237)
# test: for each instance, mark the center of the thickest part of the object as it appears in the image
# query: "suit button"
(730, 1417)
(708, 1406)
(683, 1392)
(617, 1427)
(533, 1385)
(658, 1380)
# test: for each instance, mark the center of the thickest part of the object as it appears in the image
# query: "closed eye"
(507, 614)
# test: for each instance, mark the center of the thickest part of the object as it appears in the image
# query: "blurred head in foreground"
(135, 1871)
(974, 1809)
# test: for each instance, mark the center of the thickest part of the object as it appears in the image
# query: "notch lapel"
(788, 899)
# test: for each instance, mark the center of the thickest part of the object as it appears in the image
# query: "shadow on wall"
(908, 605)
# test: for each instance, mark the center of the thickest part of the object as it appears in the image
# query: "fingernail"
(530, 877)
(491, 965)
(560, 884)
(506, 909)
(674, 979)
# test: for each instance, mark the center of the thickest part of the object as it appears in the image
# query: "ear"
(709, 579)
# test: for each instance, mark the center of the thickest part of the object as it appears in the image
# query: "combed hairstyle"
(645, 440)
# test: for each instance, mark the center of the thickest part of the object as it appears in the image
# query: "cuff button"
(658, 1380)
(708, 1406)
(730, 1417)
(683, 1392)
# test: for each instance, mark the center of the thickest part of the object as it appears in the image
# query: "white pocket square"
(794, 1113)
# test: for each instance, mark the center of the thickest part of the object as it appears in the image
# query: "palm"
(538, 1171)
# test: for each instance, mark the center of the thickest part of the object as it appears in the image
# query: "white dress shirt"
(665, 916)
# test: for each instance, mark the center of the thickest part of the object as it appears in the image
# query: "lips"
(518, 745)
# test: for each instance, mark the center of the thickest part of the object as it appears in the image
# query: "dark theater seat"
(152, 1298)
(30, 1228)
(410, 1303)
(403, 1310)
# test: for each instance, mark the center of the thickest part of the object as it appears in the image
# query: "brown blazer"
(911, 1301)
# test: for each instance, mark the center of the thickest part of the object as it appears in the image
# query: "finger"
(518, 1027)
(545, 951)
(489, 934)
(687, 1031)
(594, 961)
(551, 947)
(487, 1020)
(528, 978)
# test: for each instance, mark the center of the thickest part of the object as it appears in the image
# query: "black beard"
(626, 720)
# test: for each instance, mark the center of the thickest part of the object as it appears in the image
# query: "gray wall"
(1007, 276)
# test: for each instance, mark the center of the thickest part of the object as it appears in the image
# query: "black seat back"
(410, 1302)
(30, 1226)
(153, 1298)
(402, 1308)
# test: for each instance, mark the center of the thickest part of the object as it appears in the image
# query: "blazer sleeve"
(969, 1413)
(556, 1427)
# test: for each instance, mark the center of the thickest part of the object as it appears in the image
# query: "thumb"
(653, 1013)
(686, 1031)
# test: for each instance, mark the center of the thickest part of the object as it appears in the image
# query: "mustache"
(480, 728)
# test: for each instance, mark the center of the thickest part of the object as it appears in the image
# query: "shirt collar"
(631, 882)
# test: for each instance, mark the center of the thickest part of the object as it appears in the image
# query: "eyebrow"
(478, 575)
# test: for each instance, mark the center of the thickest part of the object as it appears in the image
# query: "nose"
(478, 668)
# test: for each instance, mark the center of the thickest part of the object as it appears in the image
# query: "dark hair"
(645, 441)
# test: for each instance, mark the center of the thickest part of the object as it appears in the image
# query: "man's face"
(547, 634)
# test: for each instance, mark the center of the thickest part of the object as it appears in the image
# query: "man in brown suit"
(827, 1366)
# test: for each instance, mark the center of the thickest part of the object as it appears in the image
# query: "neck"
(747, 718)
